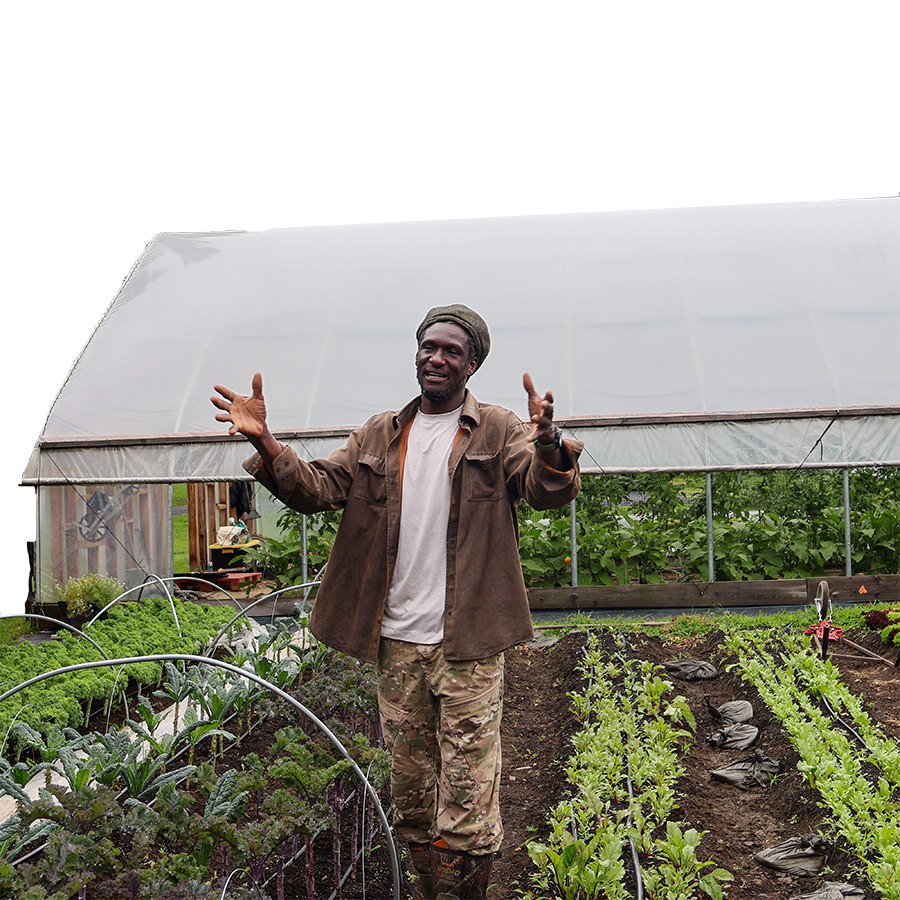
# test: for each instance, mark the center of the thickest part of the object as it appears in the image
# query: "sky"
(652, 96)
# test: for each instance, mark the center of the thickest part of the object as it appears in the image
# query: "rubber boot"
(420, 857)
(459, 876)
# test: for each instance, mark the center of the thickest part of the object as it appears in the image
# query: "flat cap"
(466, 318)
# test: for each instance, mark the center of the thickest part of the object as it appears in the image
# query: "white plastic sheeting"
(715, 311)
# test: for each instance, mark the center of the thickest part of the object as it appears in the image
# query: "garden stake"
(825, 632)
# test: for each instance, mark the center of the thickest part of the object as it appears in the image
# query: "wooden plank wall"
(716, 594)
(128, 543)
(207, 511)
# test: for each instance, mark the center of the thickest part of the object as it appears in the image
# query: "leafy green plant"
(624, 769)
(129, 630)
(681, 874)
(581, 870)
(281, 559)
(862, 810)
(89, 592)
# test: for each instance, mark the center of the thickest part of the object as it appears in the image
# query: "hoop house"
(675, 340)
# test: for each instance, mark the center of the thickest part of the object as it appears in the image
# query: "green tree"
(42, 236)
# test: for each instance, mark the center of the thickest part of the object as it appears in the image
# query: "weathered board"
(724, 594)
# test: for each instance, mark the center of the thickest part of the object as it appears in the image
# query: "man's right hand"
(246, 414)
(248, 417)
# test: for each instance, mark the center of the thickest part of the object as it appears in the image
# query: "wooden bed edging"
(725, 594)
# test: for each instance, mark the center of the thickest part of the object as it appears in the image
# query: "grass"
(180, 543)
(180, 530)
(12, 629)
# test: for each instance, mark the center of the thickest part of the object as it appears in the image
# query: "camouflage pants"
(441, 722)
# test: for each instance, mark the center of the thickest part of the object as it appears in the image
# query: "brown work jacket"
(492, 466)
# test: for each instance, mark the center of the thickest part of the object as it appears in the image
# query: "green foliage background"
(652, 528)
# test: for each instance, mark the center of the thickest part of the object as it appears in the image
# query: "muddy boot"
(459, 876)
(420, 857)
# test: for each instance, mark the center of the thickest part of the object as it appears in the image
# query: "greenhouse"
(696, 340)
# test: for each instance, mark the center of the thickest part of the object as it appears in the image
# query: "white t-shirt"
(414, 610)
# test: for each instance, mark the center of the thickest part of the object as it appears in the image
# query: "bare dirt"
(738, 823)
(538, 726)
(537, 731)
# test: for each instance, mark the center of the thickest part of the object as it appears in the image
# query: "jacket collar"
(470, 410)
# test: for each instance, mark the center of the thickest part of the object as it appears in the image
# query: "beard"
(445, 394)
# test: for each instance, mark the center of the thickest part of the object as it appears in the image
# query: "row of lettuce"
(625, 768)
(624, 772)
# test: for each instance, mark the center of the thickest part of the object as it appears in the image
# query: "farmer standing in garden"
(424, 579)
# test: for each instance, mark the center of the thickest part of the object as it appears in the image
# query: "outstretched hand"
(246, 414)
(540, 409)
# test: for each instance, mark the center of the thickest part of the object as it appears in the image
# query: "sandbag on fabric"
(731, 713)
(734, 737)
(690, 669)
(831, 890)
(797, 856)
(749, 772)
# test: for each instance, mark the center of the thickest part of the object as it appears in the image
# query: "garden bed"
(538, 726)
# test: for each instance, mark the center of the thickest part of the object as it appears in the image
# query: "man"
(424, 578)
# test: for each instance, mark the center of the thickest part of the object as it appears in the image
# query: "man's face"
(443, 366)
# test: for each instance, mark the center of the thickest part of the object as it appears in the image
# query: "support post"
(305, 554)
(709, 527)
(573, 528)
(847, 550)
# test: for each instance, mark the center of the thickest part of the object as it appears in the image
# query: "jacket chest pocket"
(483, 475)
(370, 484)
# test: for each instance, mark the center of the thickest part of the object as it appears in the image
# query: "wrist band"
(549, 448)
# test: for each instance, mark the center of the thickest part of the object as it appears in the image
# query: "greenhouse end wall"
(122, 530)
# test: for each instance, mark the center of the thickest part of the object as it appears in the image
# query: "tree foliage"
(42, 236)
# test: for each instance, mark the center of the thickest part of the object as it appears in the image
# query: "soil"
(538, 726)
(537, 730)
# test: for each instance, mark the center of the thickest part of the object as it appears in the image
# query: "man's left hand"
(541, 411)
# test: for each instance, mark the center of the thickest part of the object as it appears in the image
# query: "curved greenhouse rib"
(62, 624)
(212, 584)
(243, 612)
(252, 676)
(141, 587)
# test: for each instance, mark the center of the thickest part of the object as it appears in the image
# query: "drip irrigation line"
(252, 676)
(634, 853)
(843, 722)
